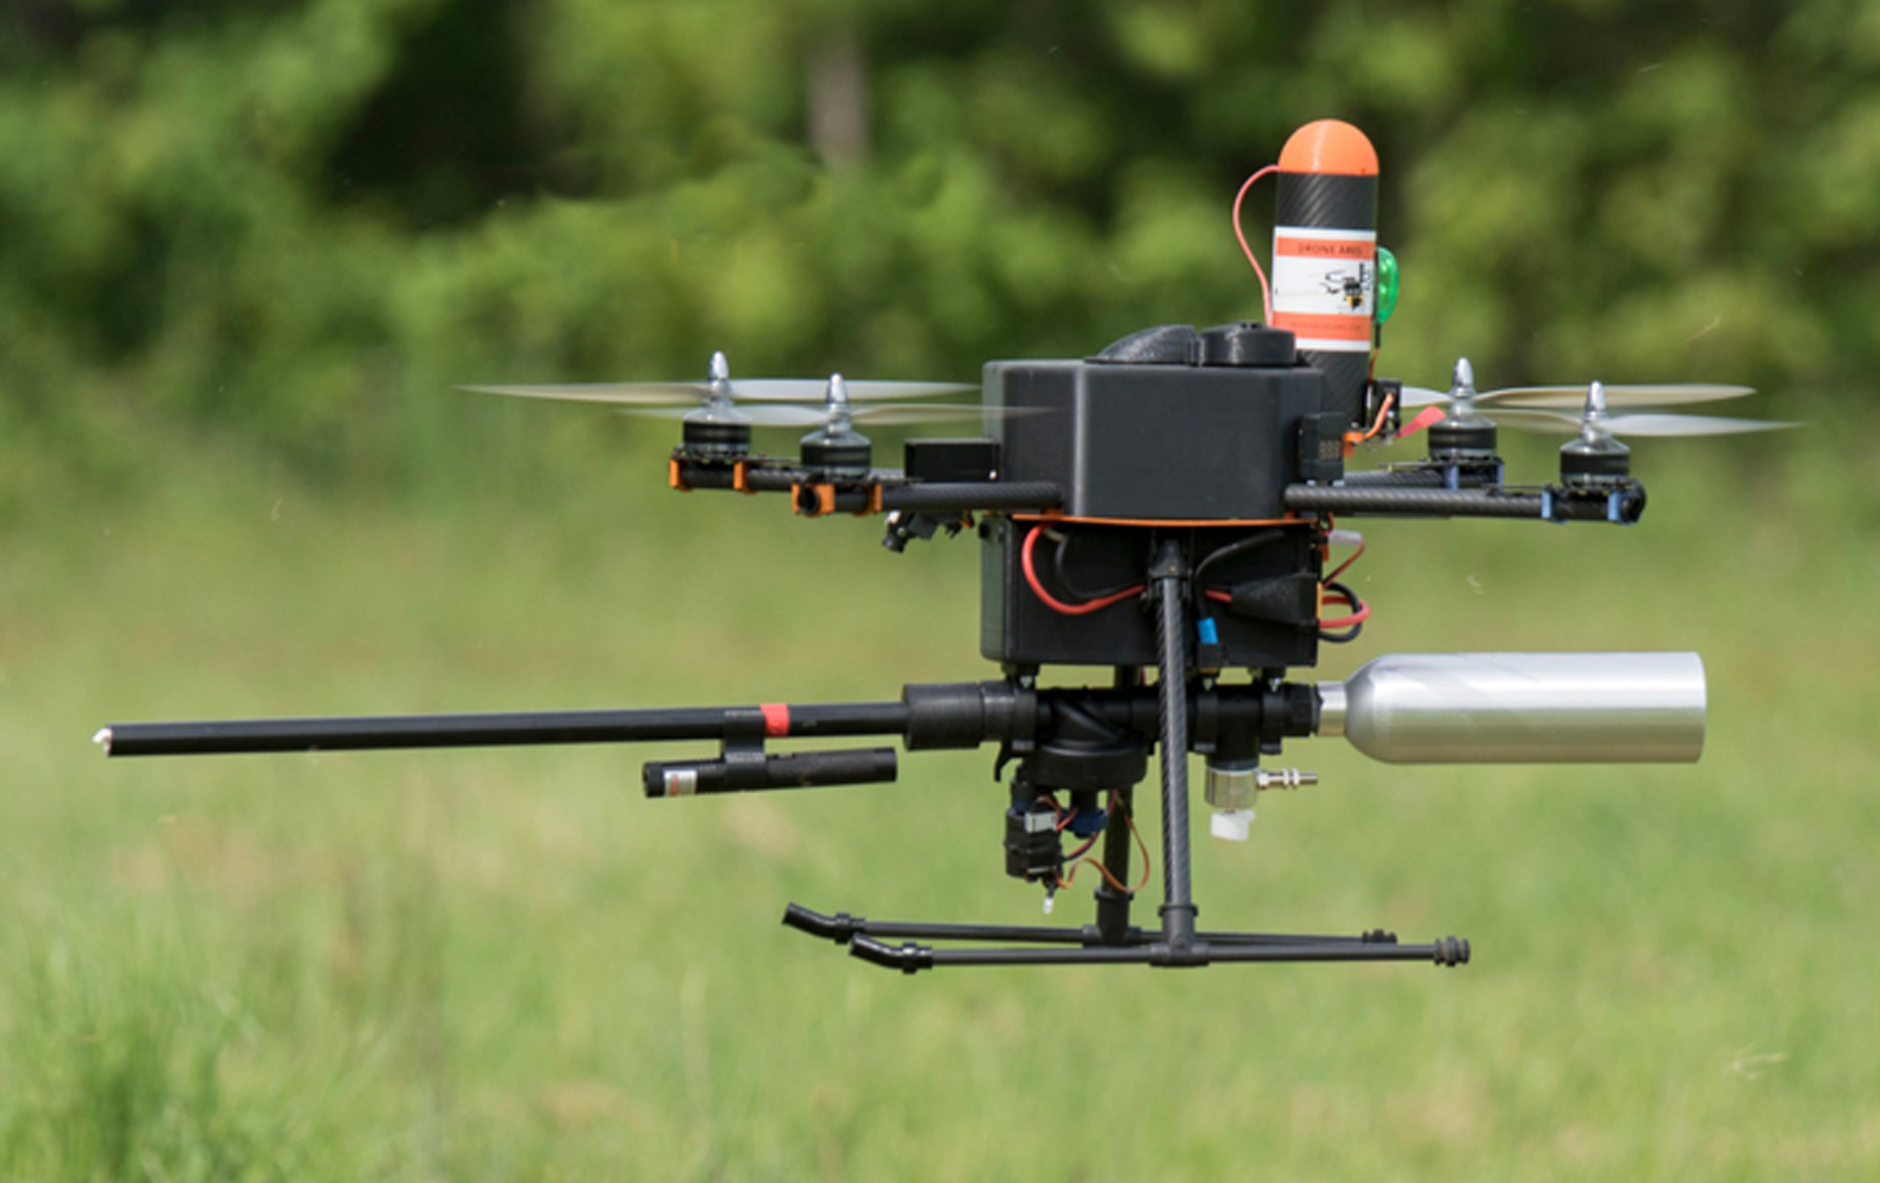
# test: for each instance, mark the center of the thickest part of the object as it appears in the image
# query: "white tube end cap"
(1232, 825)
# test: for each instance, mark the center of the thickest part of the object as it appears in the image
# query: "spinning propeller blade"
(1571, 397)
(1670, 394)
(721, 385)
(783, 415)
(1641, 425)
(1553, 408)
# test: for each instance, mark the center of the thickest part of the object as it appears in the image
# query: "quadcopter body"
(1157, 523)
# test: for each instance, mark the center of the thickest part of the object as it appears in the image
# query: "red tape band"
(776, 718)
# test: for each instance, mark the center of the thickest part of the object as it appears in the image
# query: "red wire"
(1052, 602)
(1266, 290)
(1362, 614)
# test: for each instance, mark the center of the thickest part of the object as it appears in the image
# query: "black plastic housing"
(1155, 442)
(1162, 434)
(951, 460)
(1017, 627)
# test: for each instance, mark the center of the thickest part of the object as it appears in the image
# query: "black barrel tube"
(489, 730)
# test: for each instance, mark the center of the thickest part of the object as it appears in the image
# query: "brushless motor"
(1325, 256)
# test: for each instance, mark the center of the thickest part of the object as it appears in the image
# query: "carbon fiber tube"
(1178, 909)
(758, 478)
(1427, 478)
(1379, 500)
(1447, 503)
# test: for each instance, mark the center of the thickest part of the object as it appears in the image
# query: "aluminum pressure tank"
(1521, 708)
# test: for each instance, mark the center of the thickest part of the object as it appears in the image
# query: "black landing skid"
(1087, 945)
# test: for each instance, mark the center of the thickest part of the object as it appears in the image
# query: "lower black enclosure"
(1254, 589)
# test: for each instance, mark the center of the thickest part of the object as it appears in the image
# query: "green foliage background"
(303, 222)
(247, 249)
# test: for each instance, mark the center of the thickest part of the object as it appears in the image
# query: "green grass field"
(508, 965)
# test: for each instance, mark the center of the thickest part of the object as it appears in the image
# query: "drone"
(1156, 524)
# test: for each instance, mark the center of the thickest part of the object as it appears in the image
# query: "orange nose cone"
(1329, 146)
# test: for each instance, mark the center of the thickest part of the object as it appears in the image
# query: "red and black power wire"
(1338, 629)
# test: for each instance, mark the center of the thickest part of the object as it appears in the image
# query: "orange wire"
(1266, 290)
(1382, 413)
(1066, 881)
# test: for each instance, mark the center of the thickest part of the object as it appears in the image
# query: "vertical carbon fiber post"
(1170, 573)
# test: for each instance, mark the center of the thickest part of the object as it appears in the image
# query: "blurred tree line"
(302, 221)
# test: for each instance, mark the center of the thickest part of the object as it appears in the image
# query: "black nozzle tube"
(492, 730)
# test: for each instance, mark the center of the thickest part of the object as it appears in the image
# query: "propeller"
(1567, 397)
(1588, 410)
(1597, 455)
(839, 412)
(880, 414)
(720, 388)
(1643, 425)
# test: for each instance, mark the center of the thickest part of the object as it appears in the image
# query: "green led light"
(1386, 284)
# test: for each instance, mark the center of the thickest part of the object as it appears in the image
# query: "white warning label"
(1325, 286)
